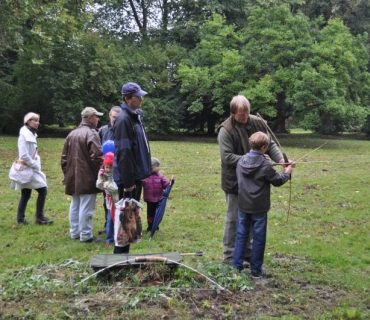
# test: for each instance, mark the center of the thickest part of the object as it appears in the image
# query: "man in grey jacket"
(233, 140)
(81, 160)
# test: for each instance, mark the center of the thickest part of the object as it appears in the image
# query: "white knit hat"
(29, 116)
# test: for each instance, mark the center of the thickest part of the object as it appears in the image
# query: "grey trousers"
(231, 224)
(81, 211)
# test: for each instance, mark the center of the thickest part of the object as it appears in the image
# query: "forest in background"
(300, 63)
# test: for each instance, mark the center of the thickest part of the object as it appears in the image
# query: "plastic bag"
(127, 225)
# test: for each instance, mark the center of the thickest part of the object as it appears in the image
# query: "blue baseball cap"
(133, 88)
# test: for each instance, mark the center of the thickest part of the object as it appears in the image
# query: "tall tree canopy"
(306, 61)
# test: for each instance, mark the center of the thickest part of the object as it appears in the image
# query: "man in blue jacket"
(132, 161)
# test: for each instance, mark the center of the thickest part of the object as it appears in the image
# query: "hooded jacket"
(81, 159)
(132, 161)
(255, 176)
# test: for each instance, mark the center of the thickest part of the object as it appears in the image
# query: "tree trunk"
(279, 123)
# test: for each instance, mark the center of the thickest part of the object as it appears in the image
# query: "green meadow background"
(324, 244)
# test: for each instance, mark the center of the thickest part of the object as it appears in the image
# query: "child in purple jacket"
(153, 191)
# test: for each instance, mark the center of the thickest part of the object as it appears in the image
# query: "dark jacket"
(132, 161)
(106, 133)
(233, 140)
(81, 159)
(255, 175)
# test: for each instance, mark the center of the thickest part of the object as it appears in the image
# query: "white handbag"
(20, 172)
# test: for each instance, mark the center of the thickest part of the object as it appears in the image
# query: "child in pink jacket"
(153, 191)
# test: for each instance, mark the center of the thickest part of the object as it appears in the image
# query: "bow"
(286, 161)
(285, 164)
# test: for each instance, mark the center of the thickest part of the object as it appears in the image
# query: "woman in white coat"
(27, 151)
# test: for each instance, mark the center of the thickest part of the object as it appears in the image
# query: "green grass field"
(318, 262)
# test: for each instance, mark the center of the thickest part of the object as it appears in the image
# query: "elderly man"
(132, 163)
(233, 140)
(81, 160)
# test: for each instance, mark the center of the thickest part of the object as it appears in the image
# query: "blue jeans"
(109, 229)
(258, 223)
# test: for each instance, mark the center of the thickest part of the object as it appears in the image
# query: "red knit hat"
(109, 159)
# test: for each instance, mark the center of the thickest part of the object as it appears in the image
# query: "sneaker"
(44, 220)
(258, 274)
(93, 239)
(22, 221)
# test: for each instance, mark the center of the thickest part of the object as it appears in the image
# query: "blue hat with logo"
(133, 88)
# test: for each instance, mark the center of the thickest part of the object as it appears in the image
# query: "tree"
(275, 42)
(354, 14)
(154, 66)
(333, 92)
(212, 69)
(33, 30)
(78, 74)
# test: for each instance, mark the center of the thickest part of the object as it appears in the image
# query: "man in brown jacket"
(81, 160)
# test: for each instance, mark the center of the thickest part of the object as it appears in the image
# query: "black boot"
(120, 250)
(44, 220)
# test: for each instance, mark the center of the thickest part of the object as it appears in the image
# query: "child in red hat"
(105, 182)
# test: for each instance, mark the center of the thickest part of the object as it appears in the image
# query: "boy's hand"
(101, 172)
(290, 167)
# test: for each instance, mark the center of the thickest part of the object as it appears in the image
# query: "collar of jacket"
(133, 113)
(28, 134)
(85, 122)
(230, 121)
(126, 107)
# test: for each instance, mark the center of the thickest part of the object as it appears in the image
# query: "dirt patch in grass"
(270, 298)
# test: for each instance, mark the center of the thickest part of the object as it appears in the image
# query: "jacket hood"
(250, 162)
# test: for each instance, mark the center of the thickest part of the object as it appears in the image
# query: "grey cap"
(89, 111)
(155, 162)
